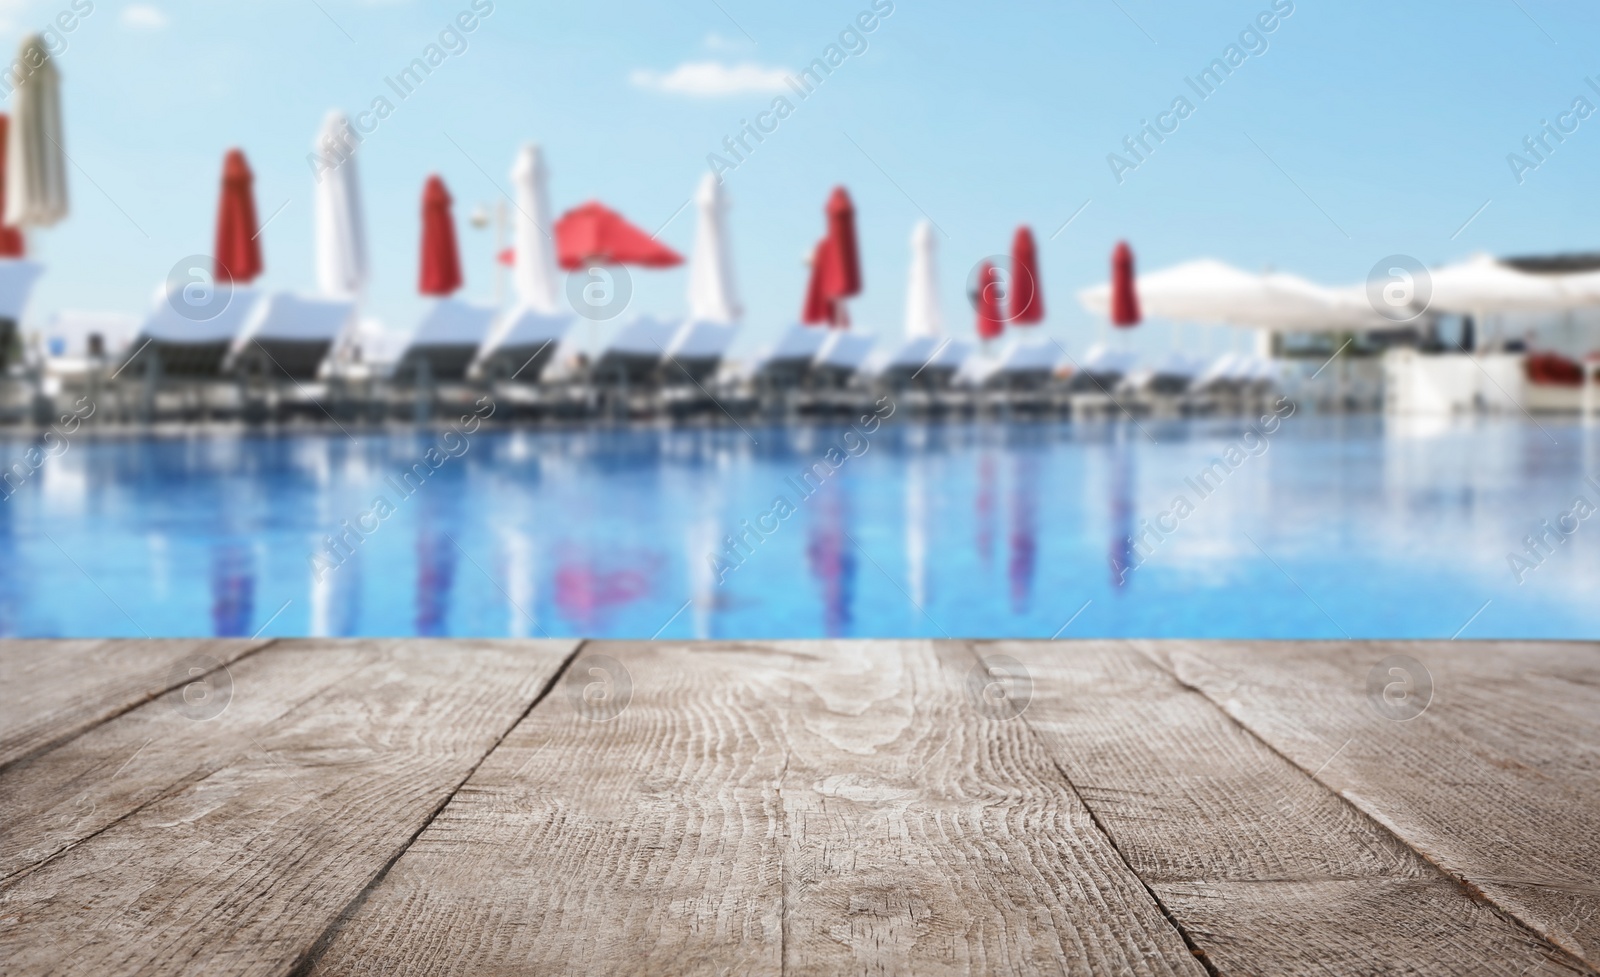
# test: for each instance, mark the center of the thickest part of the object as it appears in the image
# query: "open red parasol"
(1027, 297)
(1124, 297)
(238, 250)
(440, 272)
(594, 233)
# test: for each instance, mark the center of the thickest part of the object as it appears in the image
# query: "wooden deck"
(397, 807)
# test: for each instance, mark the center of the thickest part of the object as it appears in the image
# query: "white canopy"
(643, 336)
(1103, 359)
(524, 326)
(1480, 285)
(534, 271)
(1029, 354)
(285, 316)
(923, 316)
(712, 296)
(452, 322)
(341, 229)
(36, 166)
(796, 343)
(165, 325)
(1212, 291)
(17, 276)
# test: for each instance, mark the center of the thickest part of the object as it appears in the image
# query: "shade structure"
(440, 272)
(1124, 299)
(842, 271)
(1027, 294)
(986, 300)
(290, 335)
(237, 255)
(923, 316)
(818, 308)
(12, 244)
(36, 164)
(523, 343)
(1212, 291)
(534, 246)
(1481, 285)
(596, 234)
(337, 212)
(712, 296)
(447, 340)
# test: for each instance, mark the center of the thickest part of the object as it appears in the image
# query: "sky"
(1355, 130)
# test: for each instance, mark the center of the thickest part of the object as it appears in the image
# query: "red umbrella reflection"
(233, 588)
(436, 572)
(1024, 530)
(590, 588)
(832, 562)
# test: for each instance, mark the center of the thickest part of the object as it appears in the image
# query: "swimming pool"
(1321, 527)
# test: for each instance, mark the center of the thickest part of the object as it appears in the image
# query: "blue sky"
(1365, 129)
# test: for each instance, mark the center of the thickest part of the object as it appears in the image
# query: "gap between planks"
(308, 959)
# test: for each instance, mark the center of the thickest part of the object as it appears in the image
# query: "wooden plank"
(57, 798)
(243, 869)
(803, 808)
(53, 690)
(649, 841)
(1497, 781)
(1265, 869)
(930, 833)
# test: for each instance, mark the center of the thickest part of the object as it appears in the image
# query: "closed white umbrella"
(534, 265)
(923, 317)
(36, 165)
(341, 229)
(712, 296)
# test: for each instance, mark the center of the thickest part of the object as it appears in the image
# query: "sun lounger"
(788, 361)
(445, 344)
(290, 336)
(696, 351)
(633, 355)
(173, 345)
(840, 357)
(522, 344)
(927, 361)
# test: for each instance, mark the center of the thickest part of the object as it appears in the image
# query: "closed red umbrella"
(596, 233)
(1027, 297)
(987, 301)
(238, 250)
(441, 260)
(11, 243)
(842, 271)
(1124, 297)
(818, 307)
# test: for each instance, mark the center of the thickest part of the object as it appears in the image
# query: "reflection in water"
(233, 588)
(916, 530)
(589, 587)
(1024, 528)
(336, 597)
(436, 571)
(985, 507)
(832, 560)
(521, 587)
(1121, 483)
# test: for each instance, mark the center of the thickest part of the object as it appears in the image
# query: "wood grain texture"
(242, 870)
(929, 836)
(650, 843)
(1264, 869)
(809, 807)
(1497, 782)
(51, 691)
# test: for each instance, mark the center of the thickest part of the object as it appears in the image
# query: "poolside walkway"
(549, 807)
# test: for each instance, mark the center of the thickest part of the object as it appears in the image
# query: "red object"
(1554, 369)
(12, 244)
(987, 301)
(594, 233)
(1124, 298)
(1027, 298)
(841, 276)
(507, 257)
(441, 260)
(819, 308)
(238, 252)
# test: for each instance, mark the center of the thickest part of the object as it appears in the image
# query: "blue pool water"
(1327, 527)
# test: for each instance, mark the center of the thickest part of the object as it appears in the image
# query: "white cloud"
(143, 16)
(708, 79)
